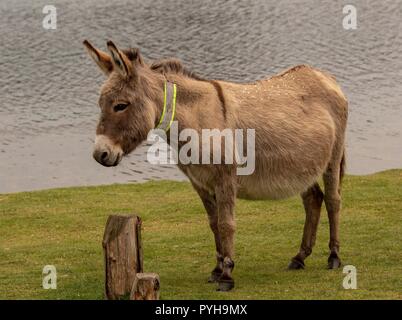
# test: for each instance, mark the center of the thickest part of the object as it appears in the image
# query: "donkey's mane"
(172, 65)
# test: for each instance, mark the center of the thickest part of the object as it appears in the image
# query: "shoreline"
(53, 161)
(122, 184)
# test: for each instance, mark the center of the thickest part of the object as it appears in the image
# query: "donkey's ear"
(102, 59)
(121, 62)
(134, 56)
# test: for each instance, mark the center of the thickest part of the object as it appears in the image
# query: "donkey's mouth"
(118, 159)
(112, 164)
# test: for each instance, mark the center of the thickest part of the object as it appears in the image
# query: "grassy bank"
(64, 227)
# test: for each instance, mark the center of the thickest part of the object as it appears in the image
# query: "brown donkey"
(299, 117)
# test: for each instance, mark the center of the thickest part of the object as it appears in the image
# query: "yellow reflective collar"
(169, 106)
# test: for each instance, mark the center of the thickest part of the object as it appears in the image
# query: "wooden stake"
(123, 255)
(146, 287)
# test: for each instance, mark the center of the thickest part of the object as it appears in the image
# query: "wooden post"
(123, 255)
(146, 287)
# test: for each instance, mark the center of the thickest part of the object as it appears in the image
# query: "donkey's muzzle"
(106, 158)
(107, 153)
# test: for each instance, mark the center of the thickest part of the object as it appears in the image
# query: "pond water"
(49, 86)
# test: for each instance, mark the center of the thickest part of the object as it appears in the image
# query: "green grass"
(64, 227)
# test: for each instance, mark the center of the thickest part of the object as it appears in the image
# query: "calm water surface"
(49, 87)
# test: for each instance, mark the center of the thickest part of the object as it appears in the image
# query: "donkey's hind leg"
(332, 182)
(312, 201)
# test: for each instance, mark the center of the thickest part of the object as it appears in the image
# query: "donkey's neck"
(195, 99)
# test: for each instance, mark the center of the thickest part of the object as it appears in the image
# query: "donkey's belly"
(273, 187)
(277, 179)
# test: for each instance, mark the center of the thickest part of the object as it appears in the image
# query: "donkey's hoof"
(214, 277)
(225, 285)
(333, 261)
(296, 264)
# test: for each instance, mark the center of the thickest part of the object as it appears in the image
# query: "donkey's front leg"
(225, 199)
(209, 201)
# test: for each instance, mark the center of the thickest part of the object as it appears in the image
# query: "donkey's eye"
(120, 107)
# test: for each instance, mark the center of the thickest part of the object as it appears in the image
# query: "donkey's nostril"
(104, 156)
(101, 156)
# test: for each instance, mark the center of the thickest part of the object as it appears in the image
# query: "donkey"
(299, 117)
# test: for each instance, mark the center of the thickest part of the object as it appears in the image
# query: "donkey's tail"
(342, 167)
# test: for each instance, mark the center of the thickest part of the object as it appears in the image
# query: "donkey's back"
(299, 117)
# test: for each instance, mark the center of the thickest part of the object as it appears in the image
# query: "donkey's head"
(128, 102)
